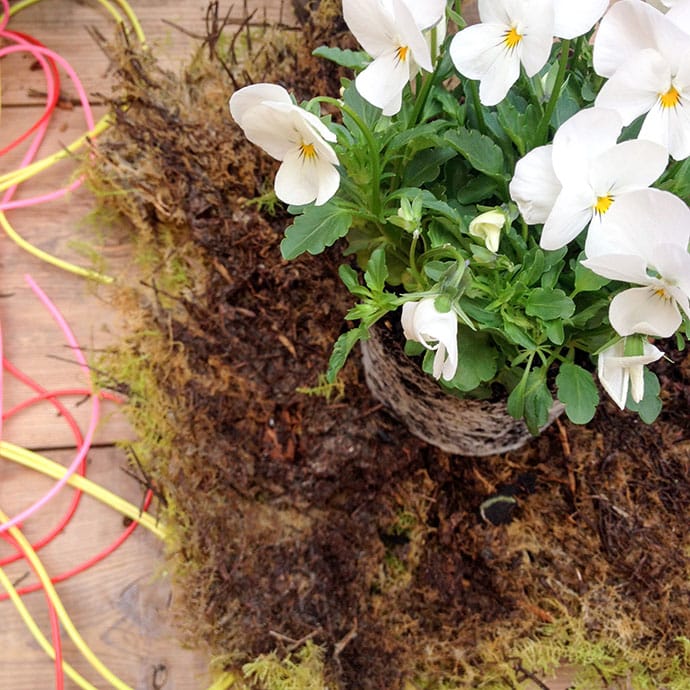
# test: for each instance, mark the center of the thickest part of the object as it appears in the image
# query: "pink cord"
(40, 53)
(95, 413)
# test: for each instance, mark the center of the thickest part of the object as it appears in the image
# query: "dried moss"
(295, 518)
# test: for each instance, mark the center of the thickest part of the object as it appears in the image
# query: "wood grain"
(120, 606)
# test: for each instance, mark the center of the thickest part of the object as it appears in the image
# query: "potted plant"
(515, 191)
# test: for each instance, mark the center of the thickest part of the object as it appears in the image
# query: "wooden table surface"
(120, 606)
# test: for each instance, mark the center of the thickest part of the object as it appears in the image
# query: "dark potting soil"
(306, 511)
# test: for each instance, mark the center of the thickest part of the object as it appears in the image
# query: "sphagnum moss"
(317, 544)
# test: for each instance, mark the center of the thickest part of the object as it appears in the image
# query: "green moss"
(302, 670)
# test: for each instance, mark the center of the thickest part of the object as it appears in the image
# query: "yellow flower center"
(307, 151)
(401, 53)
(603, 204)
(512, 38)
(670, 99)
(662, 293)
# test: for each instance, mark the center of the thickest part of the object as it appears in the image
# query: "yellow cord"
(17, 176)
(65, 620)
(49, 258)
(36, 632)
(55, 470)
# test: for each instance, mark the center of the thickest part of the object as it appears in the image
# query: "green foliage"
(316, 228)
(650, 406)
(352, 59)
(331, 391)
(578, 392)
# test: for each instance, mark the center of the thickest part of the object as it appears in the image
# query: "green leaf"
(426, 166)
(369, 114)
(516, 400)
(538, 401)
(650, 406)
(342, 348)
(377, 271)
(518, 124)
(477, 360)
(533, 264)
(350, 279)
(477, 189)
(352, 59)
(317, 228)
(555, 331)
(516, 335)
(566, 106)
(587, 280)
(548, 304)
(479, 151)
(578, 392)
(364, 312)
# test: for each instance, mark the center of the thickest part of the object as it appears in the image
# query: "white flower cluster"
(585, 179)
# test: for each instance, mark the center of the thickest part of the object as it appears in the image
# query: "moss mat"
(314, 542)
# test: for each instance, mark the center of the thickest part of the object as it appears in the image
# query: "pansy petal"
(426, 13)
(383, 80)
(679, 14)
(630, 165)
(246, 98)
(637, 222)
(613, 377)
(580, 139)
(670, 127)
(271, 128)
(536, 27)
(495, 12)
(635, 87)
(329, 182)
(407, 320)
(475, 49)
(643, 310)
(535, 187)
(370, 24)
(411, 36)
(673, 263)
(630, 26)
(625, 267)
(296, 182)
(315, 124)
(568, 218)
(572, 19)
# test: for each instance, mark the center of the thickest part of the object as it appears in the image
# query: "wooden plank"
(63, 26)
(120, 607)
(32, 339)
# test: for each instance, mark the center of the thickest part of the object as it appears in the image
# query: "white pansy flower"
(654, 76)
(619, 373)
(487, 226)
(435, 330)
(292, 135)
(392, 32)
(511, 33)
(572, 19)
(646, 244)
(577, 180)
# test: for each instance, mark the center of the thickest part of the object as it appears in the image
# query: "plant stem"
(474, 93)
(543, 129)
(373, 150)
(413, 260)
